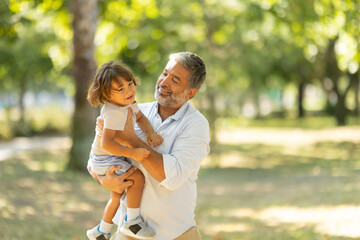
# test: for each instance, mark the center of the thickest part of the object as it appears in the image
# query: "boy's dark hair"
(100, 89)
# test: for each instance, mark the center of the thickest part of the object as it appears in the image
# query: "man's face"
(171, 89)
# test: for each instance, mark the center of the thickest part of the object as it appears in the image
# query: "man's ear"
(191, 93)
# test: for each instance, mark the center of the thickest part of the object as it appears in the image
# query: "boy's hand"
(139, 154)
(154, 140)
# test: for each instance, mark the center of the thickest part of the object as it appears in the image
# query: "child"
(114, 86)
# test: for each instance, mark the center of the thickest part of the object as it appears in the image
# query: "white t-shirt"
(114, 118)
(168, 207)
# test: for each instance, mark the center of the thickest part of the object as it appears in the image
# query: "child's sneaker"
(137, 229)
(96, 234)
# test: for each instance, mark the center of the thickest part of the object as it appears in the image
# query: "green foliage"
(250, 47)
(51, 119)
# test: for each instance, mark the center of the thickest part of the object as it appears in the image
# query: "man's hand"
(114, 182)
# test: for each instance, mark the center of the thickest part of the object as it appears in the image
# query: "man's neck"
(166, 112)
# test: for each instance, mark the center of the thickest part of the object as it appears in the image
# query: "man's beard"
(171, 99)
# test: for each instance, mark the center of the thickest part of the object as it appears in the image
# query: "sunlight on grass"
(289, 137)
(337, 221)
(229, 227)
(290, 189)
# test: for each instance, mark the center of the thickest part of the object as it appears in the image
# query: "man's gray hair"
(194, 64)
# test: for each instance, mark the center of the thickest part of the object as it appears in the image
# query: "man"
(169, 195)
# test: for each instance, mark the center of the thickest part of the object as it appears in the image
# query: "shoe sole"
(131, 234)
(89, 237)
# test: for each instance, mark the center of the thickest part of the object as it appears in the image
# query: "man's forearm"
(154, 163)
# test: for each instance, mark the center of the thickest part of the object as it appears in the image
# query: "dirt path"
(18, 145)
(268, 136)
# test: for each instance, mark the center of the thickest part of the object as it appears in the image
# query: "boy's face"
(122, 92)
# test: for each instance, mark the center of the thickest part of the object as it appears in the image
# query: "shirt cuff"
(170, 170)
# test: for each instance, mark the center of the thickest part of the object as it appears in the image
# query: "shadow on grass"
(265, 192)
(250, 229)
(276, 192)
(39, 201)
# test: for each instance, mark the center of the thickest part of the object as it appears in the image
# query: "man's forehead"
(171, 63)
(176, 68)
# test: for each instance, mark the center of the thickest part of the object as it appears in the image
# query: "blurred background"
(281, 97)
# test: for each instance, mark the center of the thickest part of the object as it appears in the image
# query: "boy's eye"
(130, 83)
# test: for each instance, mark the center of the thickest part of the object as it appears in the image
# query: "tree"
(24, 62)
(84, 25)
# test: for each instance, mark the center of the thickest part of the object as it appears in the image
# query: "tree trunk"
(340, 108)
(84, 25)
(301, 91)
(21, 128)
(212, 118)
(340, 111)
(356, 80)
(333, 72)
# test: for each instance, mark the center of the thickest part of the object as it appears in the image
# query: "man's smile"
(164, 91)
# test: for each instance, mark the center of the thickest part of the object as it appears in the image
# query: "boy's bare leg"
(112, 206)
(134, 192)
(134, 226)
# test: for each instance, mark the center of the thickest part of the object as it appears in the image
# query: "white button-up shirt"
(168, 207)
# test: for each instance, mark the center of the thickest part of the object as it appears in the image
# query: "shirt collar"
(118, 106)
(179, 113)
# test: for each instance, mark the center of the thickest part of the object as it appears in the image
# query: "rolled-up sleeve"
(188, 150)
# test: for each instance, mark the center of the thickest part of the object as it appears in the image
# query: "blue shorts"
(101, 163)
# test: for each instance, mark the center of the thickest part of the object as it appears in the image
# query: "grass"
(309, 193)
(257, 191)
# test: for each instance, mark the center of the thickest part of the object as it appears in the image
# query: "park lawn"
(306, 192)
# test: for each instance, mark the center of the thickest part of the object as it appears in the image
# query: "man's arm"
(172, 169)
(154, 162)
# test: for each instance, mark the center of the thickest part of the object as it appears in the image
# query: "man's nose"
(165, 81)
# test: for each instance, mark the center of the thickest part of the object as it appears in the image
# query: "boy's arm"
(109, 144)
(185, 158)
(142, 121)
(128, 137)
(144, 124)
